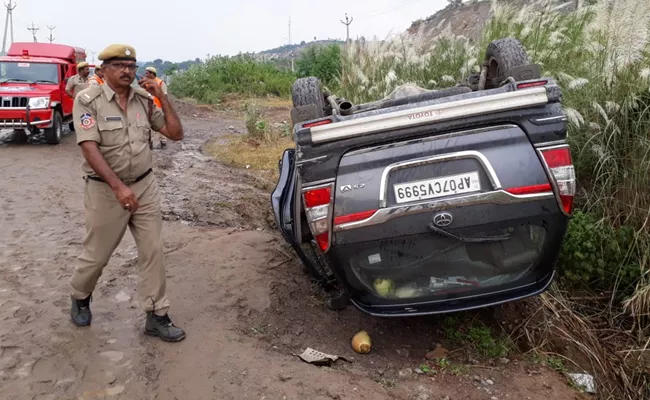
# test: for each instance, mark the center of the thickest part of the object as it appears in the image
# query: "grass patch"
(246, 152)
(476, 336)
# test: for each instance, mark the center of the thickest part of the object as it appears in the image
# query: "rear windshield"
(430, 265)
(28, 72)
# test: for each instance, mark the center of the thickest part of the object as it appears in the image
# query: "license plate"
(437, 187)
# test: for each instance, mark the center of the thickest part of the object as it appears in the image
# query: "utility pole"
(291, 53)
(347, 27)
(92, 55)
(9, 21)
(51, 28)
(33, 29)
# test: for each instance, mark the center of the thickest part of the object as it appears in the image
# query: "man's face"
(99, 73)
(120, 73)
(149, 74)
(83, 72)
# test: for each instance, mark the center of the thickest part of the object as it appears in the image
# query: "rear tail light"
(558, 160)
(318, 205)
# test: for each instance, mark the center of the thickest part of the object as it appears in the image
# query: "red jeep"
(32, 88)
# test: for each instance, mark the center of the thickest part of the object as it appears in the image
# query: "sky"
(187, 29)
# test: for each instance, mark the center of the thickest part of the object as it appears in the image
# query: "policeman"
(113, 124)
(78, 82)
(98, 78)
(152, 73)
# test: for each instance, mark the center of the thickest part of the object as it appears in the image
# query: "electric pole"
(347, 27)
(51, 28)
(9, 21)
(292, 53)
(33, 29)
(93, 56)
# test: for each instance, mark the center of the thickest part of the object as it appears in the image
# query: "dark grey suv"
(434, 202)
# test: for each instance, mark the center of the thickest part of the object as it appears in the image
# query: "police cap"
(82, 64)
(117, 52)
(152, 69)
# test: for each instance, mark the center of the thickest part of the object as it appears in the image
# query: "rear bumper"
(463, 304)
(25, 119)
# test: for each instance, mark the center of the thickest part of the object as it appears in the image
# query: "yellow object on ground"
(361, 342)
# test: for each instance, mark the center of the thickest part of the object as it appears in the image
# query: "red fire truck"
(32, 88)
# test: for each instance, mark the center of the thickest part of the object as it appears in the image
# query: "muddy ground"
(245, 302)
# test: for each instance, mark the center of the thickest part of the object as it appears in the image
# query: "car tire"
(501, 57)
(308, 100)
(54, 134)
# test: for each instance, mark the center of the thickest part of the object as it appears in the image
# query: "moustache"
(125, 76)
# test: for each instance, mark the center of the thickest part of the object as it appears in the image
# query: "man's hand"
(152, 87)
(126, 197)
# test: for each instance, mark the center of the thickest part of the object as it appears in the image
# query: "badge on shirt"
(113, 118)
(87, 121)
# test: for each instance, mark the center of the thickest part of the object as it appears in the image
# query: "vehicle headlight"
(39, 102)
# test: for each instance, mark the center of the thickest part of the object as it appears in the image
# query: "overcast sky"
(186, 29)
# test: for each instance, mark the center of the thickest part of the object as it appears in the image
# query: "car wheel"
(54, 134)
(308, 100)
(501, 57)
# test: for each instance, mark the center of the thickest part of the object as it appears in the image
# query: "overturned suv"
(430, 201)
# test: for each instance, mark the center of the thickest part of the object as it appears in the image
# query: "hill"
(468, 19)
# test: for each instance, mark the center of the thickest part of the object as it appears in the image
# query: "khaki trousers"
(106, 223)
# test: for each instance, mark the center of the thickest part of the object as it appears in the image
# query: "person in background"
(152, 73)
(98, 78)
(78, 82)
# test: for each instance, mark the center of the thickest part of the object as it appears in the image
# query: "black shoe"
(163, 145)
(80, 312)
(163, 327)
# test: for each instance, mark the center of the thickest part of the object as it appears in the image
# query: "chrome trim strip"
(559, 118)
(311, 160)
(431, 113)
(431, 138)
(318, 184)
(12, 124)
(553, 143)
(496, 197)
(45, 121)
(492, 176)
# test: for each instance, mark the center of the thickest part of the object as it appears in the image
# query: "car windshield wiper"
(486, 239)
(13, 80)
(43, 81)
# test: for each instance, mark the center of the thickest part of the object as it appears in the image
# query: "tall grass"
(221, 75)
(600, 55)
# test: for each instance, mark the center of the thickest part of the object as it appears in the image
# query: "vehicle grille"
(6, 102)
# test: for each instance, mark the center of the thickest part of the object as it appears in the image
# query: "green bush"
(323, 62)
(241, 74)
(599, 257)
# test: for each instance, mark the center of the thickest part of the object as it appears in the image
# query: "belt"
(138, 179)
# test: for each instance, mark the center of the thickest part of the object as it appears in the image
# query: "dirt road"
(244, 301)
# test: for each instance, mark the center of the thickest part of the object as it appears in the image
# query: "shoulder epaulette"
(89, 94)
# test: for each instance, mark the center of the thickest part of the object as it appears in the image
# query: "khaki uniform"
(76, 84)
(123, 140)
(95, 81)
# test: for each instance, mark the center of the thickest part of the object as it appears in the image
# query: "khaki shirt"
(76, 84)
(123, 138)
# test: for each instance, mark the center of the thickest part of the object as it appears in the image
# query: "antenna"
(51, 28)
(9, 21)
(33, 29)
